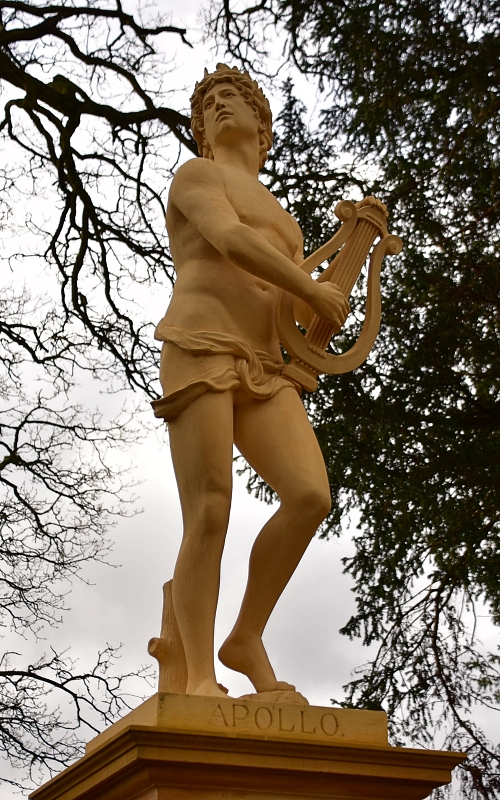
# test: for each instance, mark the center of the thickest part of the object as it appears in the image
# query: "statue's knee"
(213, 512)
(325, 505)
(314, 501)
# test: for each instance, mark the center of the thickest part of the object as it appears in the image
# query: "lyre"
(362, 224)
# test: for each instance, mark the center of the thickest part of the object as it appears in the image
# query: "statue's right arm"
(198, 192)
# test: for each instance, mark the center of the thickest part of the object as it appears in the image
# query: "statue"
(241, 283)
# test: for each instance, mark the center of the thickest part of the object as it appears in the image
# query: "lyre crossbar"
(362, 225)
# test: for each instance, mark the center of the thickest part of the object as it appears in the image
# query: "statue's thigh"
(276, 438)
(201, 443)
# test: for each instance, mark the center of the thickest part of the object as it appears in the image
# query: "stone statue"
(238, 258)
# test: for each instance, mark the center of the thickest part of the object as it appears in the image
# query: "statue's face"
(227, 116)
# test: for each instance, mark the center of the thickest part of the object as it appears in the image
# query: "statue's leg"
(276, 438)
(201, 441)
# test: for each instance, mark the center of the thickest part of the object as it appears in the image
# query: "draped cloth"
(195, 362)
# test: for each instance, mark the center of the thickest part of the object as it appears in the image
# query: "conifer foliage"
(410, 91)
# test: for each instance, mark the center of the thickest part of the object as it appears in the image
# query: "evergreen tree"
(412, 438)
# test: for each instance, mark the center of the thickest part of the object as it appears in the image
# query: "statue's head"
(251, 93)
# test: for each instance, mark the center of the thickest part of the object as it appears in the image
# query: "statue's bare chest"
(259, 209)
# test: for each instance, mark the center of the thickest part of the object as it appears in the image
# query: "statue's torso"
(211, 293)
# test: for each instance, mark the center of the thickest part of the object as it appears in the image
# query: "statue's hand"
(303, 313)
(330, 304)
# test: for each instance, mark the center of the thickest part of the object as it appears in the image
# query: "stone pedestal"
(179, 747)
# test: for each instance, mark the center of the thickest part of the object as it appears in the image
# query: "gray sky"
(123, 605)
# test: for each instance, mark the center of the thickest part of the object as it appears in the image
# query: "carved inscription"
(240, 713)
(253, 717)
(329, 724)
(281, 725)
(302, 721)
(263, 718)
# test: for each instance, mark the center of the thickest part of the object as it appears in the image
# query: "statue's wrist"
(310, 290)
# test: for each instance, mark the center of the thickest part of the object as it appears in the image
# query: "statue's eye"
(208, 104)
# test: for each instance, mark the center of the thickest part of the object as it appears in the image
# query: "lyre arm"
(353, 358)
(348, 214)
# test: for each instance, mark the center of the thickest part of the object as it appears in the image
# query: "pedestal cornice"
(151, 762)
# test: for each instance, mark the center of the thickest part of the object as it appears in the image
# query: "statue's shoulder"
(197, 179)
(197, 169)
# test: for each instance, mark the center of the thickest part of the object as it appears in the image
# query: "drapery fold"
(256, 373)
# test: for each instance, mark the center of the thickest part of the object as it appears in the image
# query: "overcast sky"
(123, 605)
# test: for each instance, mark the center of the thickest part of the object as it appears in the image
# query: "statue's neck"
(239, 155)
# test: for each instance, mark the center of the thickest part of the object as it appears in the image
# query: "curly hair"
(252, 94)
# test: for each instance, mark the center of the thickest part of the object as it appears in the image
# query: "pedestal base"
(175, 747)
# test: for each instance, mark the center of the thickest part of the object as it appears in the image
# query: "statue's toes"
(282, 686)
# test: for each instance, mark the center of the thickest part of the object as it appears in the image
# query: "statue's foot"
(249, 657)
(290, 698)
(205, 689)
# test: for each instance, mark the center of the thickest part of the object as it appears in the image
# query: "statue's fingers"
(344, 303)
(343, 298)
(337, 325)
